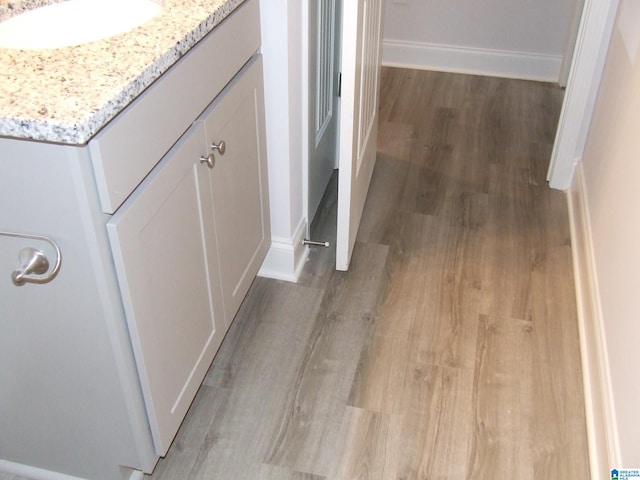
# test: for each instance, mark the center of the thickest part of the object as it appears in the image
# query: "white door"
(361, 49)
(324, 71)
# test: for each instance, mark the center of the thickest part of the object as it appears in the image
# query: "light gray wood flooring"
(450, 349)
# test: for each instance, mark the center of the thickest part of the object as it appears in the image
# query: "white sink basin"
(74, 22)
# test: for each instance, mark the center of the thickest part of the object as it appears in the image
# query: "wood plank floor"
(450, 349)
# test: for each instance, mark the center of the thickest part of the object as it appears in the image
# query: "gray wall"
(511, 38)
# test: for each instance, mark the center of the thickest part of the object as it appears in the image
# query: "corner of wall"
(599, 407)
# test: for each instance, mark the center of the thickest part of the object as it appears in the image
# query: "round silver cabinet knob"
(210, 160)
(220, 147)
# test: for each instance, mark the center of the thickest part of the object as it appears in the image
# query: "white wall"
(510, 38)
(282, 48)
(605, 198)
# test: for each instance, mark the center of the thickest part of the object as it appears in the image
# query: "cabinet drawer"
(126, 150)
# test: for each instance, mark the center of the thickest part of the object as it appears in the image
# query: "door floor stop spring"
(311, 243)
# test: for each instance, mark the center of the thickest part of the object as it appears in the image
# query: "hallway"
(450, 349)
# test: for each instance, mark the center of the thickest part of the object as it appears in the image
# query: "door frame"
(570, 45)
(305, 116)
(592, 44)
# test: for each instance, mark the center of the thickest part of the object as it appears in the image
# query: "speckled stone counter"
(66, 95)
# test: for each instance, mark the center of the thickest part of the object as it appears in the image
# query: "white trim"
(570, 46)
(305, 114)
(136, 475)
(591, 48)
(33, 472)
(479, 61)
(604, 451)
(36, 473)
(286, 256)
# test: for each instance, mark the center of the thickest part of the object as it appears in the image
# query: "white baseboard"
(599, 407)
(286, 256)
(494, 63)
(136, 475)
(36, 473)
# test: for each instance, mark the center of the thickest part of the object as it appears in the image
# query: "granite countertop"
(66, 95)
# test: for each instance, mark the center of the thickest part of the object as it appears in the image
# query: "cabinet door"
(164, 244)
(239, 183)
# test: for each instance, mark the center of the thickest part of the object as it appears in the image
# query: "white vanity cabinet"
(187, 245)
(159, 245)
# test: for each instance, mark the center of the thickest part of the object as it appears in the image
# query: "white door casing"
(361, 54)
(591, 48)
